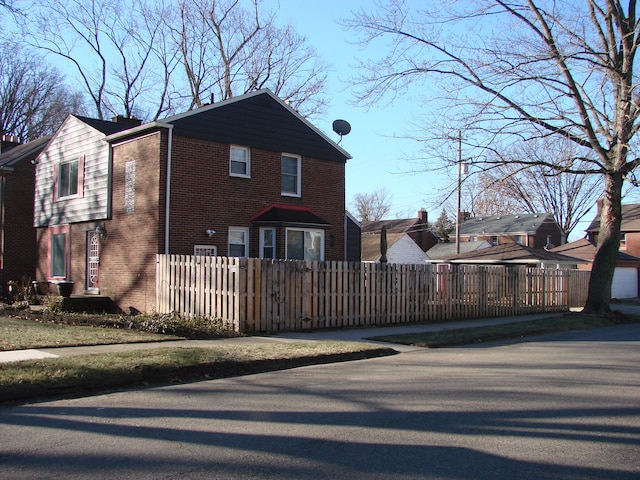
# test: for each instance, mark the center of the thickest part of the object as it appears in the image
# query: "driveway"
(556, 407)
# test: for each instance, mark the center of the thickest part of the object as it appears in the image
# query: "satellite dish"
(341, 127)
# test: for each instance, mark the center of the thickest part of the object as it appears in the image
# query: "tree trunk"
(604, 263)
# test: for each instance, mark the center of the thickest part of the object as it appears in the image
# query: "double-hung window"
(291, 175)
(267, 243)
(305, 244)
(69, 178)
(238, 242)
(240, 162)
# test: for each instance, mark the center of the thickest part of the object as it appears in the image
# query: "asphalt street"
(564, 406)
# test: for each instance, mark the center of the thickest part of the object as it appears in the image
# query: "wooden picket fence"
(255, 295)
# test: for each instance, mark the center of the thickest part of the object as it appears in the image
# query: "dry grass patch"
(506, 331)
(81, 375)
(19, 334)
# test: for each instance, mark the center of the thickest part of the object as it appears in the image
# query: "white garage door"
(625, 283)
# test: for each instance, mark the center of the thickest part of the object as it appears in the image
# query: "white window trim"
(298, 192)
(246, 238)
(315, 230)
(58, 182)
(248, 151)
(262, 245)
(199, 250)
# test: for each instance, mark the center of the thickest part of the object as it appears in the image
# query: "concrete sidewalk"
(350, 335)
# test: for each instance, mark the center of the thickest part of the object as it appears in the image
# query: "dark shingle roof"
(440, 251)
(32, 148)
(288, 214)
(105, 126)
(400, 225)
(504, 224)
(513, 253)
(586, 250)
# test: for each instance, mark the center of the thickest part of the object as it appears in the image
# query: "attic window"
(623, 241)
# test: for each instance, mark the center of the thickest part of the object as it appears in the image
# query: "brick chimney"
(7, 142)
(423, 215)
(129, 121)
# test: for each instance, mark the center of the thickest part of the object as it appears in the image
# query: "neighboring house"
(353, 234)
(245, 177)
(537, 230)
(625, 276)
(445, 250)
(515, 254)
(400, 248)
(629, 228)
(417, 228)
(17, 235)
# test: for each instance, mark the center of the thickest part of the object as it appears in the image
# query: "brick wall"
(128, 253)
(19, 236)
(204, 196)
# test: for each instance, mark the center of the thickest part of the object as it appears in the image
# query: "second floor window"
(291, 175)
(494, 240)
(68, 179)
(240, 162)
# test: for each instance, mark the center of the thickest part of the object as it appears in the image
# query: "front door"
(93, 260)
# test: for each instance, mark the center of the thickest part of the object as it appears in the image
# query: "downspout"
(168, 192)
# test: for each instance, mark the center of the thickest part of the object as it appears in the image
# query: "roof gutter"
(168, 193)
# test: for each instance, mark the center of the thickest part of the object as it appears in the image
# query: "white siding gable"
(405, 250)
(74, 139)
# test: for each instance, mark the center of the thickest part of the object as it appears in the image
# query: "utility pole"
(459, 188)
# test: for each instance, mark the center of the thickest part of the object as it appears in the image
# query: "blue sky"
(378, 159)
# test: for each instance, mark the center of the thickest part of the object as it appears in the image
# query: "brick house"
(629, 228)
(626, 275)
(17, 235)
(537, 230)
(245, 177)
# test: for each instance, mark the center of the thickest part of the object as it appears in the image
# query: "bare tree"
(485, 195)
(229, 50)
(552, 68)
(508, 188)
(33, 98)
(372, 206)
(112, 45)
(8, 4)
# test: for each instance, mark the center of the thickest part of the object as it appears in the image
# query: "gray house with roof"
(536, 230)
